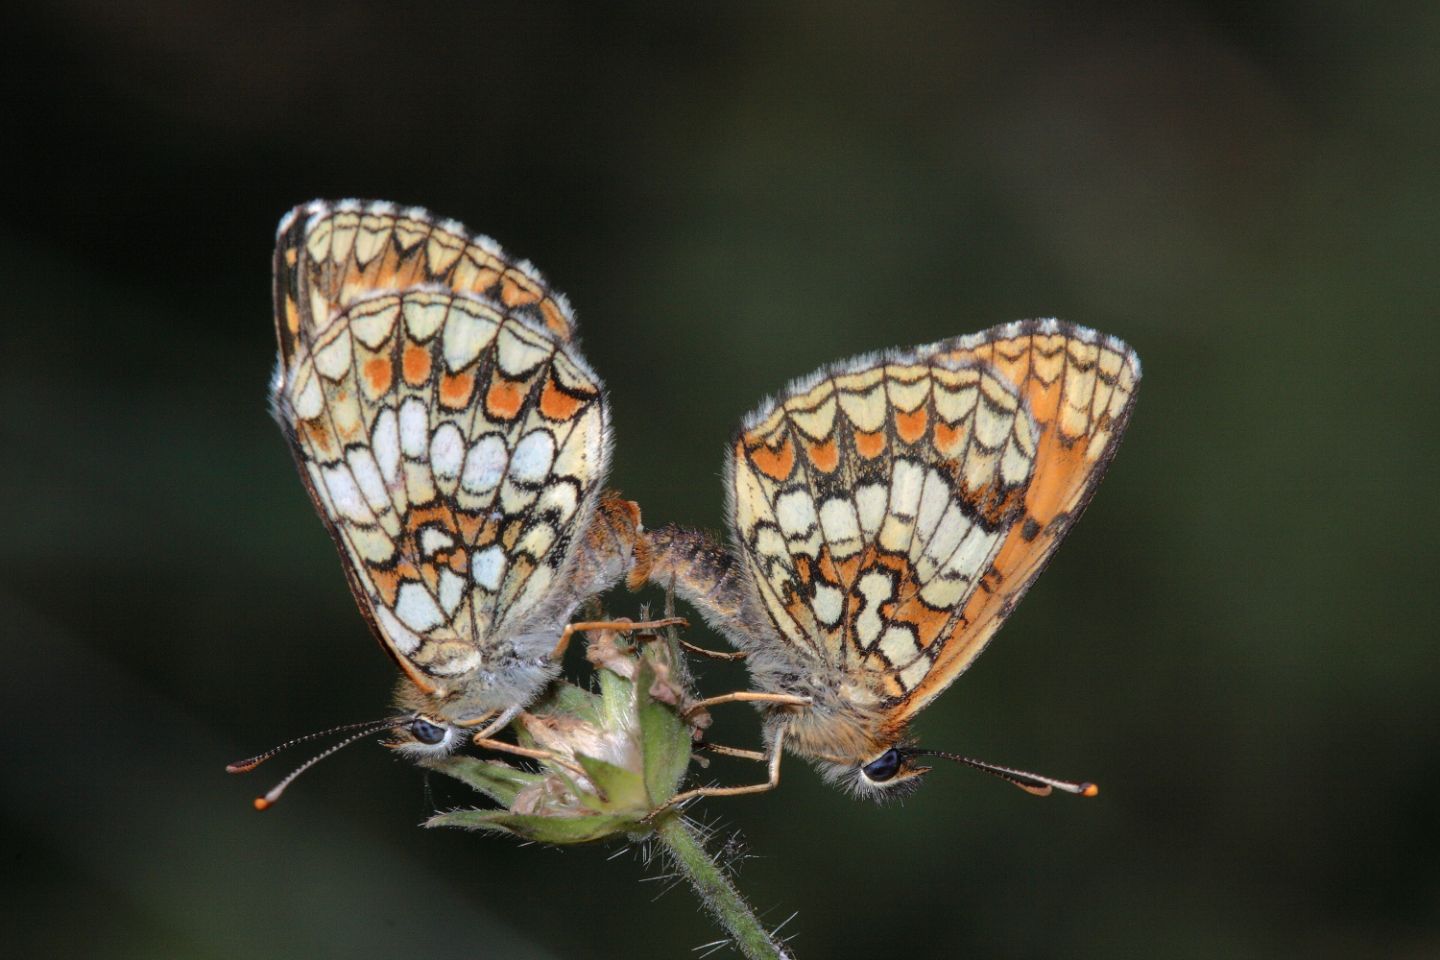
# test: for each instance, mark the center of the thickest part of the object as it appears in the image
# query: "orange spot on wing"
(378, 372)
(417, 364)
(946, 436)
(470, 524)
(514, 294)
(774, 463)
(488, 533)
(292, 316)
(911, 426)
(825, 455)
(556, 404)
(479, 278)
(827, 569)
(1044, 401)
(387, 582)
(456, 388)
(554, 319)
(503, 400)
(804, 569)
(419, 516)
(928, 623)
(870, 445)
(320, 437)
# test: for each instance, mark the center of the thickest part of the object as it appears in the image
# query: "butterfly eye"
(885, 766)
(426, 732)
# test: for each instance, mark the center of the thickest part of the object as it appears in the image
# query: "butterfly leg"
(501, 719)
(745, 696)
(771, 781)
(500, 746)
(713, 654)
(759, 756)
(624, 626)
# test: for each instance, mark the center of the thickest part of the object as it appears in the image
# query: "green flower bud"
(607, 760)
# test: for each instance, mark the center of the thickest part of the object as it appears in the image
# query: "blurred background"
(1237, 643)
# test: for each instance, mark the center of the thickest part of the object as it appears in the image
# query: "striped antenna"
(364, 730)
(1040, 786)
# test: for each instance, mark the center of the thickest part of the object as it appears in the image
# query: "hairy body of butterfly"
(454, 442)
(886, 515)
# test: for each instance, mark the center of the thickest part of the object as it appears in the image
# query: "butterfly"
(455, 444)
(886, 515)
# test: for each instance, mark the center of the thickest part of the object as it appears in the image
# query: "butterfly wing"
(1080, 387)
(881, 503)
(454, 447)
(332, 253)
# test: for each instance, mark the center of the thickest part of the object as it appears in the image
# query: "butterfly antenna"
(245, 766)
(364, 730)
(1034, 783)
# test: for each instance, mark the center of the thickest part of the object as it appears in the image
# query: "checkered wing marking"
(455, 449)
(870, 500)
(893, 510)
(1080, 388)
(329, 254)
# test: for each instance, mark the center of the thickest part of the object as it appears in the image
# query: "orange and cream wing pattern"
(1080, 387)
(453, 443)
(891, 510)
(334, 253)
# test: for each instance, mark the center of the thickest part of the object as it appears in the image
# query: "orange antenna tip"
(365, 730)
(1032, 783)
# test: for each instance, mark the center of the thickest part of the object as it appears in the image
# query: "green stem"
(716, 891)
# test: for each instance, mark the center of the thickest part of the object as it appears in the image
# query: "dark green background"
(1237, 642)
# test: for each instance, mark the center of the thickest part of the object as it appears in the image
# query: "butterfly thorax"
(845, 723)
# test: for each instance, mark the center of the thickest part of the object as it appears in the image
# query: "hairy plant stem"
(715, 889)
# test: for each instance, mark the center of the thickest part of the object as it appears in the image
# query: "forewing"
(455, 449)
(1079, 387)
(330, 254)
(869, 500)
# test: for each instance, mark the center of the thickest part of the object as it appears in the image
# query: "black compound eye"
(885, 766)
(426, 732)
